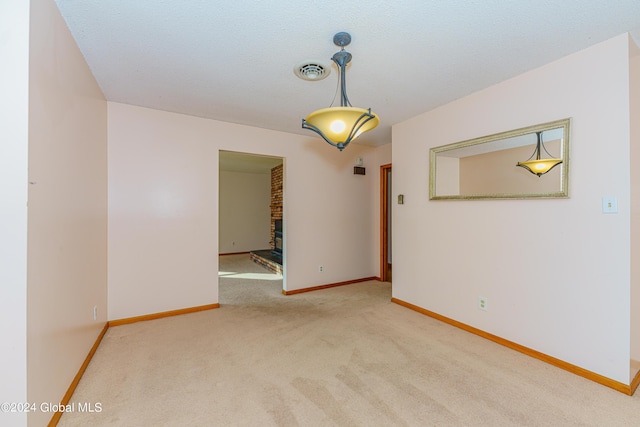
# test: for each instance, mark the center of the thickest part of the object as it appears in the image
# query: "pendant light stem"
(342, 58)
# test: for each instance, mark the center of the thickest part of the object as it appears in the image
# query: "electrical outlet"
(483, 303)
(320, 269)
(95, 312)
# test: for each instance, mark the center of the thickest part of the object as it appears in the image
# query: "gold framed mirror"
(488, 167)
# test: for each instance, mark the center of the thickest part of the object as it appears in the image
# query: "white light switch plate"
(609, 205)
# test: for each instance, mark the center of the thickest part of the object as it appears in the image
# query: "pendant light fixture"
(341, 125)
(539, 166)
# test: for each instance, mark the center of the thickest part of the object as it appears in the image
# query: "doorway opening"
(385, 223)
(250, 217)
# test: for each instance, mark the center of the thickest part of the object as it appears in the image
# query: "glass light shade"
(541, 166)
(337, 123)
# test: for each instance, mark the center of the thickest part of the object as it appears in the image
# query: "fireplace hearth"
(266, 259)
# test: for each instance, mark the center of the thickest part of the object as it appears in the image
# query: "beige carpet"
(343, 356)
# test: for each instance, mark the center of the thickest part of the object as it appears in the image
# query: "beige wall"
(635, 200)
(556, 272)
(447, 176)
(67, 224)
(245, 216)
(163, 208)
(14, 82)
(379, 157)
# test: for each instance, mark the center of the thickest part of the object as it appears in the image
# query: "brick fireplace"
(276, 201)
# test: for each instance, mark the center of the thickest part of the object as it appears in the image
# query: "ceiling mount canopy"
(341, 125)
(539, 166)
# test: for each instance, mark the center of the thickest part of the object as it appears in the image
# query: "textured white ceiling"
(233, 60)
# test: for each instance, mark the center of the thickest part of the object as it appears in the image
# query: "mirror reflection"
(522, 163)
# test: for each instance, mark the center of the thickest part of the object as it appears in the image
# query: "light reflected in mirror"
(486, 167)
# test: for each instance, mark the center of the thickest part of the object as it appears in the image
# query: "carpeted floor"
(343, 356)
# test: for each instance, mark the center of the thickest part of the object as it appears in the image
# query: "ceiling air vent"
(311, 70)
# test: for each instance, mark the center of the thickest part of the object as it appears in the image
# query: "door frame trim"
(384, 221)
